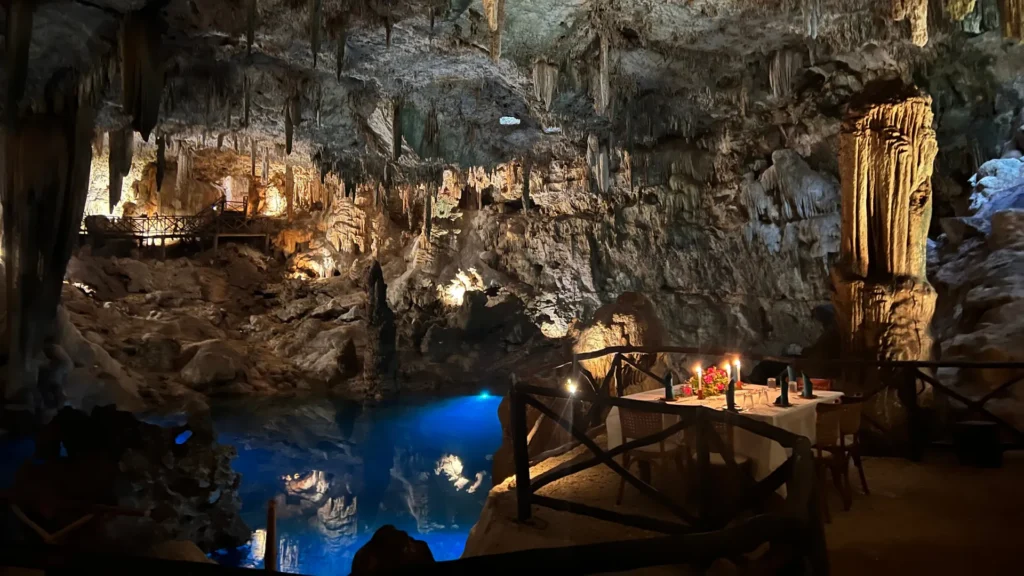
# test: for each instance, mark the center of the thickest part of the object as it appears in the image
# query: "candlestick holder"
(783, 400)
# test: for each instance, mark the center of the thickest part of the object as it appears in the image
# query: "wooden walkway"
(220, 220)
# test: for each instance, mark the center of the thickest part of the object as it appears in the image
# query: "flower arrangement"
(713, 382)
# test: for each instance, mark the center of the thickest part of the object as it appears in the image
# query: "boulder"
(629, 321)
(1007, 230)
(212, 362)
(101, 379)
(388, 550)
(158, 352)
(296, 309)
(958, 229)
(329, 310)
(136, 275)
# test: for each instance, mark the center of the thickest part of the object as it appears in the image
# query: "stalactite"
(289, 190)
(597, 159)
(527, 170)
(883, 300)
(811, 10)
(431, 130)
(119, 162)
(387, 29)
(265, 173)
(783, 70)
(161, 160)
(19, 39)
(315, 15)
(959, 9)
(915, 11)
(142, 77)
(545, 82)
(339, 58)
(396, 129)
(250, 25)
(602, 96)
(252, 159)
(46, 164)
(220, 141)
(495, 12)
(1011, 14)
(246, 99)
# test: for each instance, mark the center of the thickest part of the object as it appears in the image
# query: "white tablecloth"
(767, 455)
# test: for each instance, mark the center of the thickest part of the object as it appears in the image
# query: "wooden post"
(520, 451)
(704, 494)
(915, 425)
(270, 554)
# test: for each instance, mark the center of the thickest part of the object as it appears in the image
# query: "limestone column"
(883, 300)
(380, 363)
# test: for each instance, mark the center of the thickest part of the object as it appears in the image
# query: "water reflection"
(338, 472)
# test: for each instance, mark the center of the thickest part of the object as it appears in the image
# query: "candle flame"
(728, 369)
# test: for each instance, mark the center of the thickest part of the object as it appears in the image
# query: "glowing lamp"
(570, 386)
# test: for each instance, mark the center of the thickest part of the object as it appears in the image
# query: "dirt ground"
(933, 518)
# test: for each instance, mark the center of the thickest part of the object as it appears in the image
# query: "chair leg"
(622, 481)
(822, 495)
(645, 471)
(837, 477)
(860, 469)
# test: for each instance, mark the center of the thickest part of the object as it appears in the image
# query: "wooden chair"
(828, 457)
(849, 439)
(636, 425)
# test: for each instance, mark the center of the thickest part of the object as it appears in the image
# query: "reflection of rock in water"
(337, 519)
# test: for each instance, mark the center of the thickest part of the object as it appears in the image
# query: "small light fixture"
(570, 385)
(509, 121)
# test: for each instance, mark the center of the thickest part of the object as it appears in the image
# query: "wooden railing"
(908, 378)
(798, 518)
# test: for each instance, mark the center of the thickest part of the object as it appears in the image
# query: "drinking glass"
(772, 384)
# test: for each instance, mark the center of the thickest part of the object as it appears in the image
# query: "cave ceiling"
(645, 72)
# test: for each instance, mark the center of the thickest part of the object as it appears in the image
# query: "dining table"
(754, 401)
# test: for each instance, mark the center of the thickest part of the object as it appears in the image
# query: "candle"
(739, 377)
(730, 392)
(670, 394)
(700, 382)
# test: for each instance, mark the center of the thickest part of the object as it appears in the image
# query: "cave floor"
(934, 517)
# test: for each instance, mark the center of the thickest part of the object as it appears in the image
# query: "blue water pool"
(338, 472)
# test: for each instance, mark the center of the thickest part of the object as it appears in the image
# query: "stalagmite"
(289, 189)
(142, 76)
(184, 174)
(119, 162)
(19, 38)
(495, 12)
(315, 14)
(1011, 14)
(250, 25)
(380, 361)
(288, 127)
(161, 160)
(884, 303)
(545, 82)
(265, 172)
(916, 11)
(428, 211)
(783, 70)
(46, 164)
(396, 129)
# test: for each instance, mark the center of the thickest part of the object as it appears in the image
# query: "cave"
(319, 286)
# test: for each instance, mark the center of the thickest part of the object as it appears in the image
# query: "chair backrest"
(827, 427)
(849, 418)
(637, 425)
(821, 384)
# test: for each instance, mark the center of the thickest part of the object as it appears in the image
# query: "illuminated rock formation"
(1011, 14)
(883, 300)
(916, 12)
(380, 363)
(495, 11)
